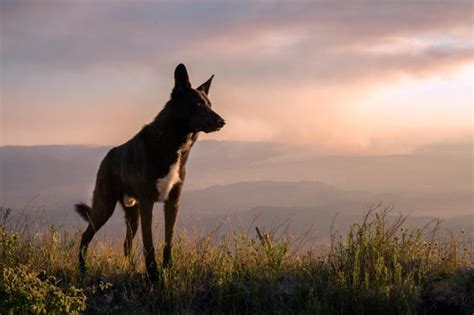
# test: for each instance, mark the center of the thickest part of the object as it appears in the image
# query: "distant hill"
(316, 222)
(246, 195)
(226, 178)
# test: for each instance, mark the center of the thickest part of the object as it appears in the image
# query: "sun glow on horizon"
(362, 79)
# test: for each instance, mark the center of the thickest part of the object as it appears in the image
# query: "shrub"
(24, 291)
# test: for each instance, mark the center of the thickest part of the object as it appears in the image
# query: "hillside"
(225, 178)
(226, 162)
(379, 266)
(221, 265)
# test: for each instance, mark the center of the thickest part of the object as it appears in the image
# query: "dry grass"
(378, 267)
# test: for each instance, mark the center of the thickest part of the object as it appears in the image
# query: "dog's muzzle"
(220, 123)
(215, 126)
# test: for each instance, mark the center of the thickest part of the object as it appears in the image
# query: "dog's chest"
(167, 182)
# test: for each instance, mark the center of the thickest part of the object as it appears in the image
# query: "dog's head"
(192, 106)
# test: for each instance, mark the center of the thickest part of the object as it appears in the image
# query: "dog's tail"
(83, 210)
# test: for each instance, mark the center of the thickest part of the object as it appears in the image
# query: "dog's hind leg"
(132, 215)
(85, 240)
(103, 205)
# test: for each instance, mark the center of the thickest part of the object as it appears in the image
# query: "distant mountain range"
(302, 207)
(237, 181)
(318, 223)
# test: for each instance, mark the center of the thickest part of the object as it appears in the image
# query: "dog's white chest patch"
(166, 183)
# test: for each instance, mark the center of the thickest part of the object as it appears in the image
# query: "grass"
(379, 266)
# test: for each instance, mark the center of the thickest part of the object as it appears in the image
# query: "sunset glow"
(329, 76)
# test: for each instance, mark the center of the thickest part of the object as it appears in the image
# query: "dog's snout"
(218, 120)
(221, 121)
(212, 122)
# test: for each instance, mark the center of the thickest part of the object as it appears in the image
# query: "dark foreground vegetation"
(378, 267)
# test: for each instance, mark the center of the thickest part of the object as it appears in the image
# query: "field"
(379, 266)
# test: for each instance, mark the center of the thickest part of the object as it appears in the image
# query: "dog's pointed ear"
(206, 85)
(181, 78)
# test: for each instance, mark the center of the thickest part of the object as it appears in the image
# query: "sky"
(362, 77)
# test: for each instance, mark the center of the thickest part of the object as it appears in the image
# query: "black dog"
(150, 167)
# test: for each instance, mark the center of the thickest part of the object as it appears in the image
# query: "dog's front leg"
(171, 212)
(146, 216)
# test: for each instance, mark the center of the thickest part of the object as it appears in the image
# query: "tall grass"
(379, 266)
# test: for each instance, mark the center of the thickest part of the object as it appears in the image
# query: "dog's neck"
(166, 130)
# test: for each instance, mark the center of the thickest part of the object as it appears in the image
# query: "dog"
(149, 168)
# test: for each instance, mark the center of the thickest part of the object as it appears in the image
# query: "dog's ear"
(181, 78)
(206, 85)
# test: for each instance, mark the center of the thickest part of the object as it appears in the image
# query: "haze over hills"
(241, 180)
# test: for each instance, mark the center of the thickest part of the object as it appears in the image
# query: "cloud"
(91, 33)
(284, 70)
(324, 41)
(82, 34)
